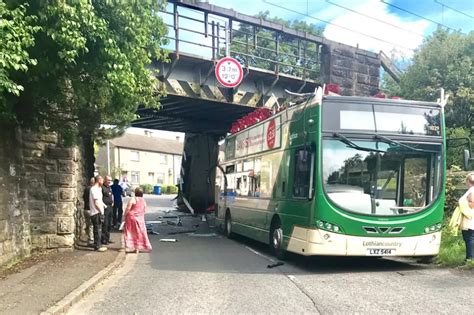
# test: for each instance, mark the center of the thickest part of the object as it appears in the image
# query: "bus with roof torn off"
(337, 175)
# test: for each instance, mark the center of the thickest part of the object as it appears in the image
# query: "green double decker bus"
(337, 175)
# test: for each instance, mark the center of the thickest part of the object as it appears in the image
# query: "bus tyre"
(228, 225)
(427, 260)
(276, 241)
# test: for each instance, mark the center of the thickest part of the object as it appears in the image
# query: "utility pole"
(108, 157)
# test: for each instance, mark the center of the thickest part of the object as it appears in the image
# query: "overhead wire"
(454, 9)
(337, 25)
(375, 19)
(421, 17)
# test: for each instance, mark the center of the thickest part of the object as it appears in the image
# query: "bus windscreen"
(389, 119)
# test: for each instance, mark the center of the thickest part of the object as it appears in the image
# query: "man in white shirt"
(97, 207)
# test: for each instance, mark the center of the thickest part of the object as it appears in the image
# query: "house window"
(160, 178)
(151, 177)
(135, 156)
(135, 177)
(163, 158)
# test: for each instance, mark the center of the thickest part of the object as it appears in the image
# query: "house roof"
(146, 143)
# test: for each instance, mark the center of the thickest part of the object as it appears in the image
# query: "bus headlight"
(328, 226)
(433, 228)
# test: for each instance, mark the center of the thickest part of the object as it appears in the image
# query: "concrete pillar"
(198, 164)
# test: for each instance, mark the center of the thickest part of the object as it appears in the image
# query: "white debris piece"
(168, 240)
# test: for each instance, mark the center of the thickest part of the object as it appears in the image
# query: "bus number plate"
(380, 251)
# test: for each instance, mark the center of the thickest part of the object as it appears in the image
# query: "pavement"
(37, 284)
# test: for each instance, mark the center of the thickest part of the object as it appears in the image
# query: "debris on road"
(181, 232)
(203, 235)
(168, 240)
(153, 233)
(177, 223)
(275, 265)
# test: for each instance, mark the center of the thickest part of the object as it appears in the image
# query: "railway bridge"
(274, 58)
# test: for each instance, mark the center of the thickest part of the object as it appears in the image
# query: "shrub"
(452, 251)
(454, 189)
(169, 189)
(173, 189)
(147, 188)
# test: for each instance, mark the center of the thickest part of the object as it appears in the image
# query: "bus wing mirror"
(467, 158)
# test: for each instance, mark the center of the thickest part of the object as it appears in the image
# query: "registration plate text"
(380, 251)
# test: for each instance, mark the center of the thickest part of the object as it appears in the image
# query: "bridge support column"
(199, 168)
(356, 71)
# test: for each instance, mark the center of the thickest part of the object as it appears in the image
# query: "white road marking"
(260, 254)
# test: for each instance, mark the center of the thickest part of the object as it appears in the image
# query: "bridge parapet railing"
(197, 31)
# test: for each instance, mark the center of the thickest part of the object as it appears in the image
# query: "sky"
(372, 24)
(396, 27)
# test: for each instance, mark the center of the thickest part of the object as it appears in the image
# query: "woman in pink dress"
(134, 232)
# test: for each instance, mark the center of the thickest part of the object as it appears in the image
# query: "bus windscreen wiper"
(351, 144)
(388, 140)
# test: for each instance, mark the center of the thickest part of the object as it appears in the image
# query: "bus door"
(300, 193)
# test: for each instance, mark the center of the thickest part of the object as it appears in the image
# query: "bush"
(147, 188)
(453, 250)
(455, 188)
(173, 189)
(169, 189)
(454, 154)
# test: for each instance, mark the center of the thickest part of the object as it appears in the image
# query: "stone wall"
(41, 200)
(356, 71)
(15, 234)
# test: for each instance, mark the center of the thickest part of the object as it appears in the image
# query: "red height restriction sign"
(229, 72)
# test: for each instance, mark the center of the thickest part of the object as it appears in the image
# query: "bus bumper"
(319, 242)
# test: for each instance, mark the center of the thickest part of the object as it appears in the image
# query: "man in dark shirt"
(108, 200)
(117, 192)
(87, 212)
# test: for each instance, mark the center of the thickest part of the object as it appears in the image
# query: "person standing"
(108, 199)
(97, 208)
(87, 212)
(125, 185)
(467, 225)
(117, 192)
(134, 232)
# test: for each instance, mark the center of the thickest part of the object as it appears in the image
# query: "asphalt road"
(206, 273)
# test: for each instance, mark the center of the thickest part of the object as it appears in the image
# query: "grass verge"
(452, 252)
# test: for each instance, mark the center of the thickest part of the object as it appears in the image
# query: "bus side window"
(302, 173)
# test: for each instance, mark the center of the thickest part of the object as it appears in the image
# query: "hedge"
(147, 188)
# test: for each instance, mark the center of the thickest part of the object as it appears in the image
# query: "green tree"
(16, 35)
(444, 60)
(93, 64)
(264, 53)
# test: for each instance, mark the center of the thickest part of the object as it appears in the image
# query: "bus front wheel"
(228, 225)
(276, 241)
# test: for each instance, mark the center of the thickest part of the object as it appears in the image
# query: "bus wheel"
(427, 260)
(276, 241)
(228, 225)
